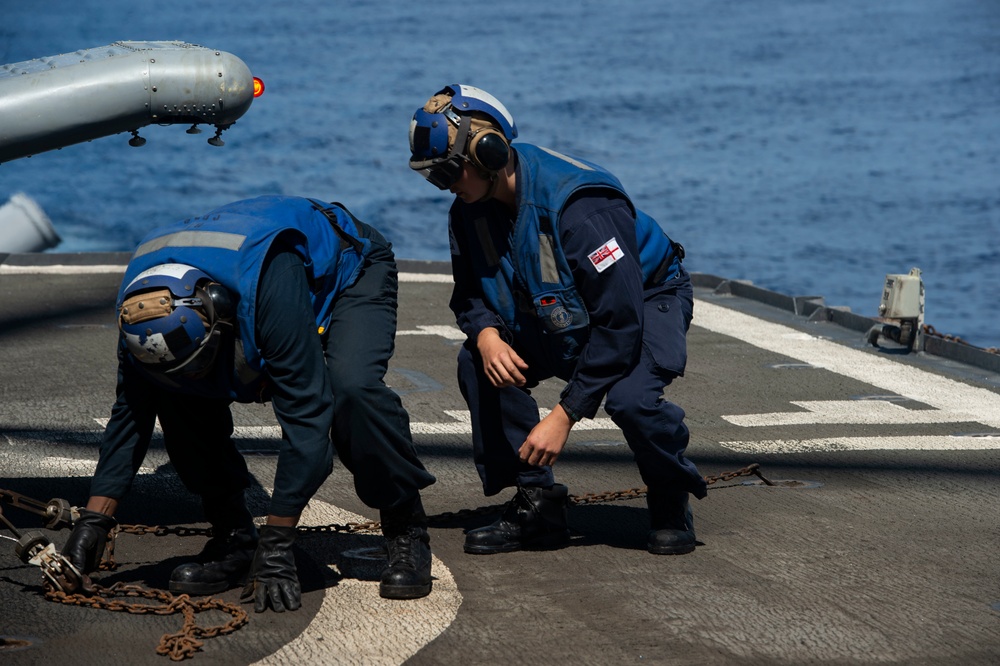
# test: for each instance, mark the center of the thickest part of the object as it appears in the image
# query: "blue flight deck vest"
(533, 290)
(231, 244)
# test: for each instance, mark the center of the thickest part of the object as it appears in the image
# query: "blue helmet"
(460, 123)
(168, 316)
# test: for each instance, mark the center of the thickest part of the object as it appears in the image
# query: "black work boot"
(407, 545)
(225, 560)
(671, 523)
(221, 565)
(534, 518)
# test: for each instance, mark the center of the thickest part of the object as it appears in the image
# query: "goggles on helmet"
(443, 175)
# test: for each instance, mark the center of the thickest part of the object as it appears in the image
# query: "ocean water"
(810, 146)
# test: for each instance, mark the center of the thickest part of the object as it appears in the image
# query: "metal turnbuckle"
(57, 513)
(35, 548)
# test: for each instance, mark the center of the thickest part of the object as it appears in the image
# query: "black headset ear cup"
(221, 301)
(489, 150)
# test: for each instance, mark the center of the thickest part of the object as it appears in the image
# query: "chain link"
(439, 518)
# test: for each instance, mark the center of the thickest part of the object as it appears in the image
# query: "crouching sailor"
(557, 274)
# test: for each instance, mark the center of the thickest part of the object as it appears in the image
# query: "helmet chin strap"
(458, 148)
(494, 179)
(495, 176)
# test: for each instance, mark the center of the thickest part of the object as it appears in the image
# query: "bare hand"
(547, 439)
(501, 363)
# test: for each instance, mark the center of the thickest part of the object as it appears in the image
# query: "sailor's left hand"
(274, 580)
(547, 439)
(86, 542)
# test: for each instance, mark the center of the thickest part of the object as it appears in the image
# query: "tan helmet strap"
(145, 306)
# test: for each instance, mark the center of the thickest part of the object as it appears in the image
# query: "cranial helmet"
(460, 123)
(170, 316)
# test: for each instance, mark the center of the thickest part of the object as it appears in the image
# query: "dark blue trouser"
(371, 430)
(653, 426)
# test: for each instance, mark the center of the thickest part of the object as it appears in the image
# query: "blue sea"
(809, 146)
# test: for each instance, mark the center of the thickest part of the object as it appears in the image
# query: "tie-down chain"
(61, 577)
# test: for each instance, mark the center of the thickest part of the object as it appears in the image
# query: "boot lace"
(518, 505)
(400, 549)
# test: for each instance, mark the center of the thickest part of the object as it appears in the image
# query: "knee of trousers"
(662, 418)
(361, 397)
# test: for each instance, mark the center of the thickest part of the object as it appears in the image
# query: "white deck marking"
(953, 401)
(447, 332)
(425, 277)
(354, 625)
(462, 424)
(914, 443)
(61, 270)
(848, 411)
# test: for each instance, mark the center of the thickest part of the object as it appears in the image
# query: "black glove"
(272, 575)
(86, 543)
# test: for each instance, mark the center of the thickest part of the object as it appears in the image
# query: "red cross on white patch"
(606, 255)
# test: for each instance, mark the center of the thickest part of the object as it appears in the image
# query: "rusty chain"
(635, 493)
(438, 518)
(188, 641)
(574, 500)
(178, 646)
(930, 330)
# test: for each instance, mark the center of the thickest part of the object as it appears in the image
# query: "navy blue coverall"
(318, 386)
(634, 334)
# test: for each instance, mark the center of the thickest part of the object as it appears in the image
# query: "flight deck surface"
(878, 543)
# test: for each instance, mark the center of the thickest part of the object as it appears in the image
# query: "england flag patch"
(606, 255)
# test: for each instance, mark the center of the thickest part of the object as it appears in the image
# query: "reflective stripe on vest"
(216, 239)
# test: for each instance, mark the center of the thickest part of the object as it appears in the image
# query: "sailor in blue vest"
(280, 299)
(557, 274)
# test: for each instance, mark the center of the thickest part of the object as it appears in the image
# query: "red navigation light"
(258, 87)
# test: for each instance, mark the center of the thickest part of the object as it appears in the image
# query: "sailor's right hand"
(85, 545)
(502, 365)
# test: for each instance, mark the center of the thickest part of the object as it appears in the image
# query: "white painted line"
(60, 269)
(72, 467)
(955, 400)
(19, 457)
(239, 432)
(20, 461)
(447, 332)
(354, 625)
(914, 443)
(462, 424)
(425, 277)
(847, 411)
